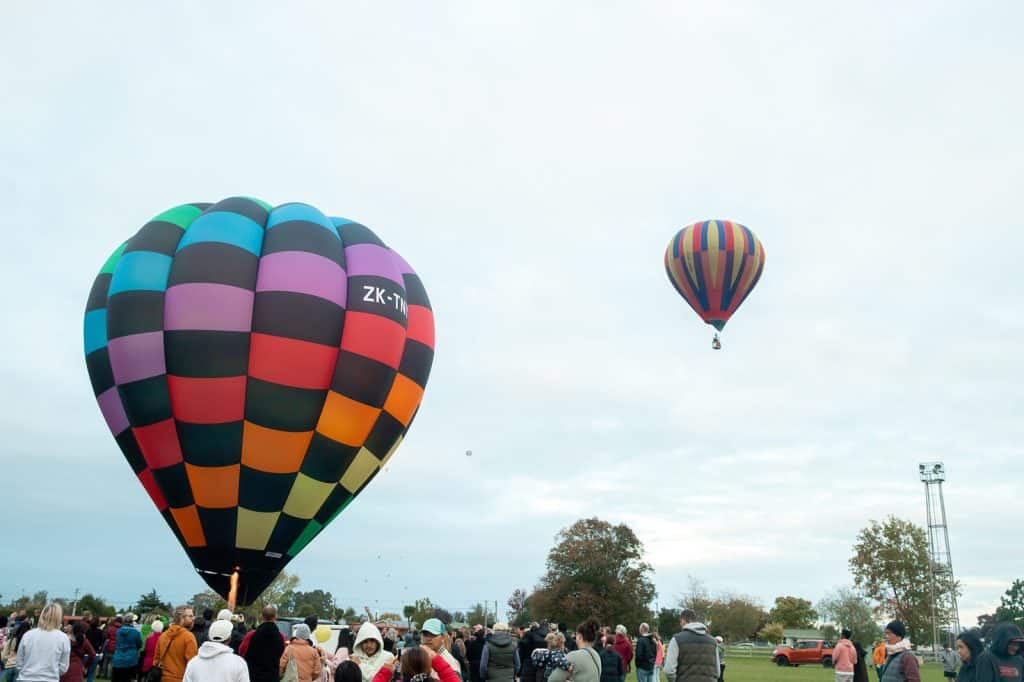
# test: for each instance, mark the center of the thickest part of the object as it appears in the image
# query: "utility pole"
(945, 613)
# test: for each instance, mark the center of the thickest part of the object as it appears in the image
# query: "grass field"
(761, 669)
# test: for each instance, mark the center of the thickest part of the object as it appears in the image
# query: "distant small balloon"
(469, 453)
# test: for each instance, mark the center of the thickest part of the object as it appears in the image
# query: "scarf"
(898, 647)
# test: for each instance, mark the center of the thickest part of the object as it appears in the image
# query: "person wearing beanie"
(149, 648)
(216, 662)
(900, 663)
(308, 660)
(1002, 661)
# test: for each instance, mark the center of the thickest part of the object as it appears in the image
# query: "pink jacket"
(844, 656)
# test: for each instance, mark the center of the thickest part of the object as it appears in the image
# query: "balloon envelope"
(714, 265)
(257, 367)
(322, 633)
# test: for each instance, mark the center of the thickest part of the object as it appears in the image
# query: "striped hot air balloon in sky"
(714, 265)
(257, 367)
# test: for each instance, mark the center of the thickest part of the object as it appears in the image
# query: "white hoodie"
(369, 665)
(216, 663)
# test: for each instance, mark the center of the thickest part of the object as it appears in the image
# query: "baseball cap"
(434, 626)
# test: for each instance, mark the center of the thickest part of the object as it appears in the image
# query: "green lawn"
(761, 669)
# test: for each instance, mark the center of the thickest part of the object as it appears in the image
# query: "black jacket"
(533, 639)
(646, 652)
(612, 667)
(264, 653)
(969, 670)
(995, 664)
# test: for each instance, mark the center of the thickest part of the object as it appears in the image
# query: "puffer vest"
(698, 660)
(894, 668)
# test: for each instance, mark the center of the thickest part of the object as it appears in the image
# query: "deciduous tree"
(891, 565)
(773, 632)
(1011, 604)
(595, 569)
(793, 612)
(848, 609)
(735, 617)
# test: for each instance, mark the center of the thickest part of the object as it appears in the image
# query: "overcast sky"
(531, 160)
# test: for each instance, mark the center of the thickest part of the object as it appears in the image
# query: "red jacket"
(624, 648)
(441, 667)
(110, 646)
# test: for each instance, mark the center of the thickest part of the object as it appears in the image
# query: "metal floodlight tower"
(944, 608)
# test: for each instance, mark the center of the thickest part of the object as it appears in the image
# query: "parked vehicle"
(804, 651)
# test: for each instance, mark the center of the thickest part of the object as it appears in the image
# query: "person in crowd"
(10, 651)
(459, 652)
(345, 637)
(110, 645)
(82, 654)
(128, 641)
(474, 652)
(418, 664)
(176, 646)
(570, 640)
(215, 661)
(3, 640)
(552, 656)
(156, 628)
(96, 638)
(44, 653)
(624, 647)
(497, 659)
(432, 636)
(306, 658)
(860, 668)
(613, 668)
(969, 646)
(532, 638)
(720, 645)
(950, 660)
(585, 661)
(900, 662)
(390, 639)
(844, 657)
(347, 671)
(878, 657)
(659, 657)
(1000, 662)
(238, 632)
(646, 654)
(368, 651)
(262, 648)
(199, 629)
(692, 653)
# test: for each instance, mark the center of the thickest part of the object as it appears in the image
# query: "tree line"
(598, 569)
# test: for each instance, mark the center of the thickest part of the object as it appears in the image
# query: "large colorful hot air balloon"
(257, 367)
(714, 265)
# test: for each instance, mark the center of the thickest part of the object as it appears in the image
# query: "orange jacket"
(175, 648)
(878, 655)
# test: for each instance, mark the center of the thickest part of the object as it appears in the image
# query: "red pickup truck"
(804, 651)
